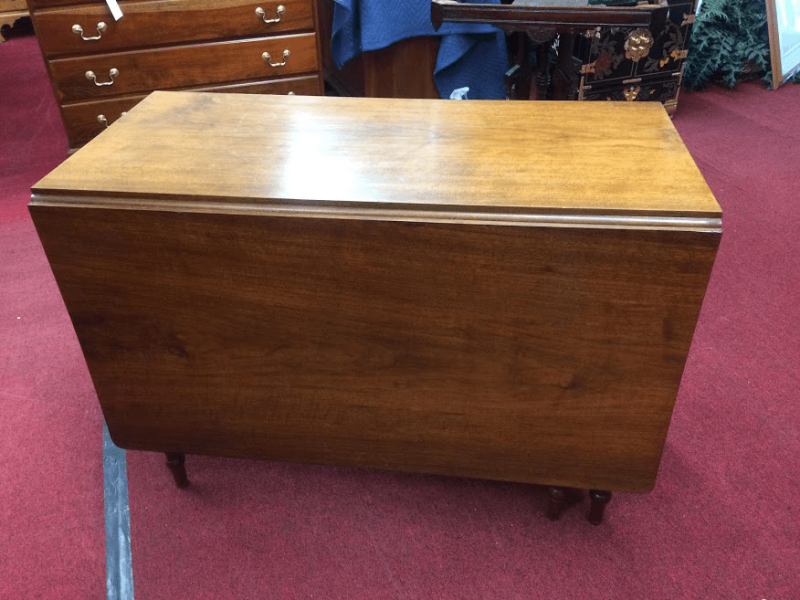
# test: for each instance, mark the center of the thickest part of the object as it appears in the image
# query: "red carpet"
(52, 540)
(723, 521)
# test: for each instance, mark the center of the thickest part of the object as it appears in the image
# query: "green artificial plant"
(729, 41)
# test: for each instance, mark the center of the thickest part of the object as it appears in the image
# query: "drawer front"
(85, 120)
(90, 29)
(660, 88)
(41, 4)
(185, 66)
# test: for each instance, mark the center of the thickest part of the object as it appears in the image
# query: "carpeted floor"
(723, 521)
(52, 541)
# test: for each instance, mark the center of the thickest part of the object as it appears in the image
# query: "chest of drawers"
(100, 68)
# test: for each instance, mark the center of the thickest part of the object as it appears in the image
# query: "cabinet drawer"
(85, 120)
(41, 4)
(662, 88)
(157, 23)
(184, 66)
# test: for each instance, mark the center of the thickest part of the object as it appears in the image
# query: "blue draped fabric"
(470, 54)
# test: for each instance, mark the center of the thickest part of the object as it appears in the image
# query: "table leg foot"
(175, 462)
(598, 499)
(558, 502)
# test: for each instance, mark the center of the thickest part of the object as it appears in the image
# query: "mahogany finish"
(604, 159)
(403, 70)
(85, 120)
(188, 21)
(35, 4)
(182, 66)
(215, 45)
(382, 283)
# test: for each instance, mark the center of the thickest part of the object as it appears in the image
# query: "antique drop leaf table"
(501, 290)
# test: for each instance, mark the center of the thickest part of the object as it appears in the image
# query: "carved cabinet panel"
(635, 64)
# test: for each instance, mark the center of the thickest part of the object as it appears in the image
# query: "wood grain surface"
(80, 118)
(539, 355)
(477, 157)
(162, 22)
(39, 4)
(183, 66)
(403, 70)
(484, 289)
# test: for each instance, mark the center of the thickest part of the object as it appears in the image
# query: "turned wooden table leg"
(175, 462)
(542, 77)
(598, 499)
(558, 502)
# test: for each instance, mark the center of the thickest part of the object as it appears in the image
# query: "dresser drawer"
(85, 120)
(90, 29)
(183, 66)
(41, 4)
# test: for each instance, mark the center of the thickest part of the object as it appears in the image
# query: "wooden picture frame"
(783, 17)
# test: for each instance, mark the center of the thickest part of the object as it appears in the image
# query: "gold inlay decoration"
(676, 54)
(638, 44)
(631, 93)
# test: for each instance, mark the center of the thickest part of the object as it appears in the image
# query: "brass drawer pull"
(268, 59)
(103, 121)
(101, 29)
(280, 11)
(92, 77)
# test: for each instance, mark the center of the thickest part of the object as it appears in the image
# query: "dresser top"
(388, 158)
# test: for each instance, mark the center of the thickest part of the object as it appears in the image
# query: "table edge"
(604, 218)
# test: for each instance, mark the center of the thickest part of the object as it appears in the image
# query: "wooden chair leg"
(175, 462)
(599, 499)
(558, 502)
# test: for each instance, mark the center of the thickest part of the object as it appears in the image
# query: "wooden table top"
(228, 152)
